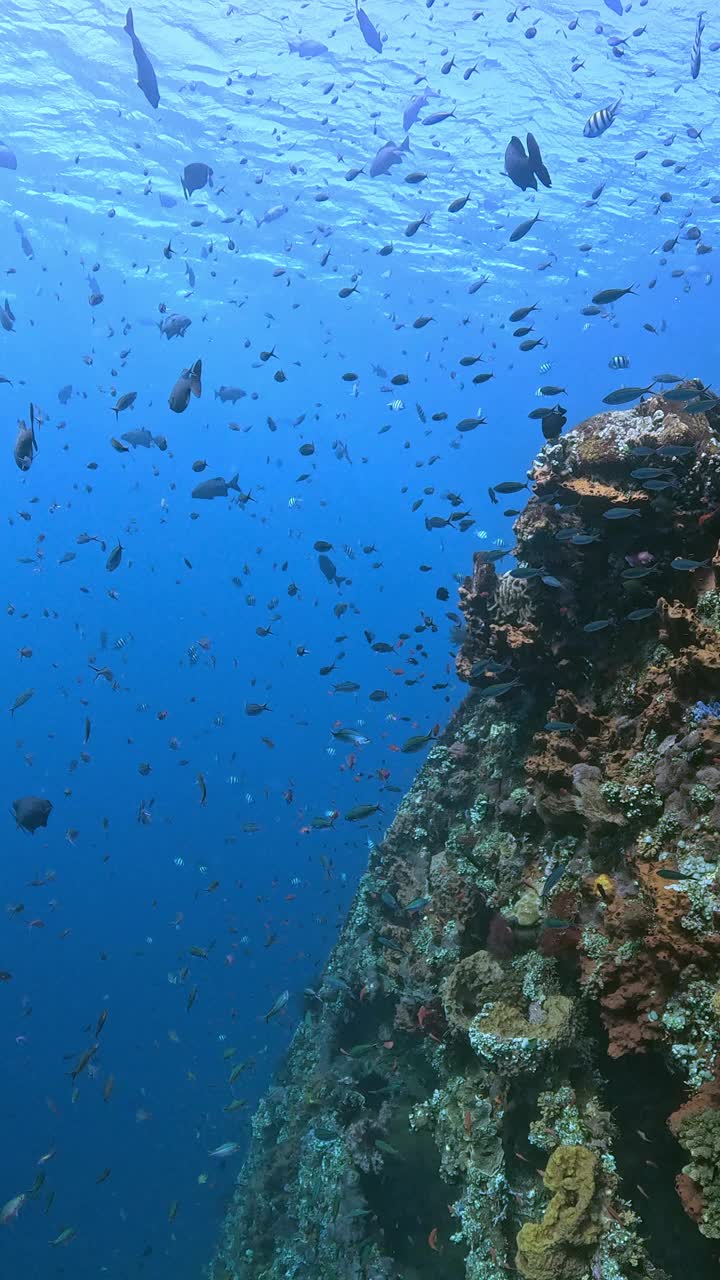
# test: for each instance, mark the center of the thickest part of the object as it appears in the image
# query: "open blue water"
(99, 910)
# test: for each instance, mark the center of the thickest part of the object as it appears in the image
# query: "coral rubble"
(563, 842)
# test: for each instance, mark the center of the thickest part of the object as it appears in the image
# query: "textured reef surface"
(510, 1065)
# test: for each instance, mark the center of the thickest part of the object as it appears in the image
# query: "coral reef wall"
(534, 950)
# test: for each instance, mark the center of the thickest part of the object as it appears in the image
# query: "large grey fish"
(308, 48)
(139, 437)
(26, 444)
(147, 80)
(229, 393)
(32, 812)
(387, 156)
(216, 488)
(195, 176)
(369, 31)
(187, 384)
(174, 325)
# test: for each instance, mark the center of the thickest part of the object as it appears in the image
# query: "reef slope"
(544, 907)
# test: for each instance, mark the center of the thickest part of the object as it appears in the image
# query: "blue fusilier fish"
(601, 120)
(370, 35)
(695, 55)
(147, 80)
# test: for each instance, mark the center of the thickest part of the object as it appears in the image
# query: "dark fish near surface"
(25, 443)
(523, 169)
(65, 393)
(147, 80)
(229, 393)
(414, 107)
(195, 176)
(523, 227)
(216, 488)
(187, 384)
(695, 55)
(8, 159)
(387, 156)
(370, 35)
(32, 812)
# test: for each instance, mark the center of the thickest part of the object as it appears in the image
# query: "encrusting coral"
(562, 843)
(559, 1247)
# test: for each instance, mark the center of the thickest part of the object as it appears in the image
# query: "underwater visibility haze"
(292, 299)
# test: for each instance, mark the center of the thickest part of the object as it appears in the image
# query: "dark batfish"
(523, 169)
(31, 812)
(216, 488)
(26, 444)
(195, 176)
(370, 35)
(147, 80)
(187, 384)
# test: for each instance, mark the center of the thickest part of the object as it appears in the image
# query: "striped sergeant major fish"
(601, 120)
(695, 55)
(619, 362)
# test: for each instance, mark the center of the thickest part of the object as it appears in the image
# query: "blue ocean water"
(185, 920)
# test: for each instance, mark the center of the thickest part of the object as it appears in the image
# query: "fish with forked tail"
(216, 488)
(147, 80)
(387, 156)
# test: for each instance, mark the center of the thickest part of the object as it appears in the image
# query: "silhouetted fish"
(187, 384)
(523, 169)
(147, 80)
(195, 176)
(216, 488)
(31, 812)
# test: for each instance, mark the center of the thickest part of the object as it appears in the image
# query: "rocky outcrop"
(545, 904)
